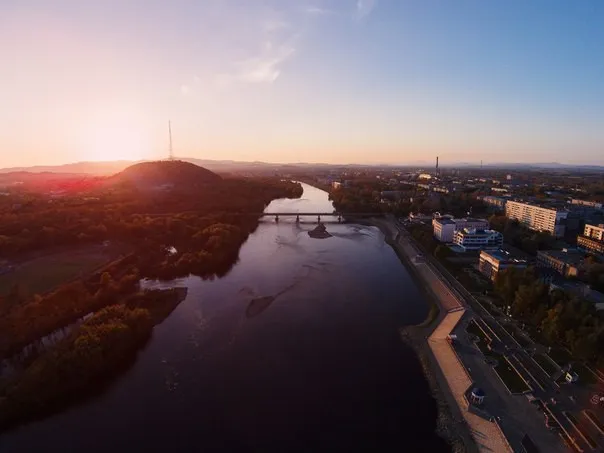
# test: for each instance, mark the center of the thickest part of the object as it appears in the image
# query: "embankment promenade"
(448, 377)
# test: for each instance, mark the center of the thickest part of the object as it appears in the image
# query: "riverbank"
(448, 425)
(85, 362)
(447, 370)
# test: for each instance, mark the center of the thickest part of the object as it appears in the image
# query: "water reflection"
(296, 349)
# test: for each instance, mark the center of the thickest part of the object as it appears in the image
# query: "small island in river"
(320, 232)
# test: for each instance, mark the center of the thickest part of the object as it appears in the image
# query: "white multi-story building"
(536, 217)
(472, 239)
(444, 228)
(594, 232)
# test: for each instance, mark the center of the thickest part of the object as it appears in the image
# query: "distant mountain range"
(228, 166)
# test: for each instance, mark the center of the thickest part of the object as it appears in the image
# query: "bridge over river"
(339, 215)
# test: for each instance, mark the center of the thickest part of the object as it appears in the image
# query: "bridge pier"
(277, 219)
(297, 219)
(339, 219)
(319, 219)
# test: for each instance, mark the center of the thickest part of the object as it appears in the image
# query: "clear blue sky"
(348, 81)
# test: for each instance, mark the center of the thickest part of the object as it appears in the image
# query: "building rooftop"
(574, 257)
(478, 231)
(505, 255)
(444, 221)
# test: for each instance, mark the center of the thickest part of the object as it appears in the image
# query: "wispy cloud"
(364, 8)
(265, 64)
(265, 68)
(185, 89)
(318, 11)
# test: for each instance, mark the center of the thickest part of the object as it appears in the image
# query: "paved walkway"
(487, 435)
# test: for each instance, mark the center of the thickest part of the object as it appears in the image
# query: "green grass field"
(510, 377)
(40, 275)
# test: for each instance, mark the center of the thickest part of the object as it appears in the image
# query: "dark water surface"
(296, 349)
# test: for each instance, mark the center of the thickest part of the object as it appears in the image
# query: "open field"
(42, 274)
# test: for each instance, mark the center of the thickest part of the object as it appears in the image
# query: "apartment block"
(594, 232)
(538, 218)
(494, 203)
(590, 245)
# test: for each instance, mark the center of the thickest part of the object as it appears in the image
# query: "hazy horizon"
(370, 82)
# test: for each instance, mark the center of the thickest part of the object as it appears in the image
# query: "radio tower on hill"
(170, 134)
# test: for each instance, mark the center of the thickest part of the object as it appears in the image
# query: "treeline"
(366, 196)
(98, 349)
(131, 216)
(361, 196)
(559, 318)
(515, 234)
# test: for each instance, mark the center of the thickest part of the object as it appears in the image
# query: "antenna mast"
(170, 134)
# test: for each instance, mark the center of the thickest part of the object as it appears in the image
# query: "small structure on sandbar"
(320, 232)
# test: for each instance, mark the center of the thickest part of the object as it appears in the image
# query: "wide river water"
(296, 349)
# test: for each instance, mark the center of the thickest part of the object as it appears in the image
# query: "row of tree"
(561, 318)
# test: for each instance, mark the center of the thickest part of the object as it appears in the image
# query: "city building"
(590, 245)
(472, 239)
(495, 203)
(591, 204)
(499, 189)
(538, 218)
(568, 263)
(417, 217)
(444, 227)
(594, 232)
(577, 289)
(425, 176)
(494, 261)
(336, 185)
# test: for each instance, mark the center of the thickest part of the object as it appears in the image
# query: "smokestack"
(436, 164)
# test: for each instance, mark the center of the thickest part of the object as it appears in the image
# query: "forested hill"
(162, 174)
(128, 215)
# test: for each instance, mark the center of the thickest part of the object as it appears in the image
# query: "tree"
(442, 252)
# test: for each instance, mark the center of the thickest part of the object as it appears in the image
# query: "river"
(296, 349)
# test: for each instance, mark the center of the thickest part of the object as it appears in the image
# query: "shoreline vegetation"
(202, 238)
(416, 337)
(89, 358)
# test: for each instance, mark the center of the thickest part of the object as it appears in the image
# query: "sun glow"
(117, 136)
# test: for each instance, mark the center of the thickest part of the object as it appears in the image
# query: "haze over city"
(350, 81)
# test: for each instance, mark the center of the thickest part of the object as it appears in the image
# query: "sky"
(335, 81)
